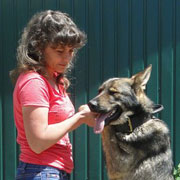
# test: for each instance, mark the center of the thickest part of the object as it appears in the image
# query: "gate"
(124, 36)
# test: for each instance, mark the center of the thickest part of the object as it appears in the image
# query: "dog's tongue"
(99, 126)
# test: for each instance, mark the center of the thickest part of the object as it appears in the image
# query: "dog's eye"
(113, 91)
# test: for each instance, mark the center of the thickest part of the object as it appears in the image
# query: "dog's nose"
(92, 105)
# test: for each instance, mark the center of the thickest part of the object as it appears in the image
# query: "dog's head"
(119, 98)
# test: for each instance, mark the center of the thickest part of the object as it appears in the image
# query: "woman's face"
(57, 59)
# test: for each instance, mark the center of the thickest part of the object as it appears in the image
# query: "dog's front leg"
(142, 132)
(123, 144)
(138, 133)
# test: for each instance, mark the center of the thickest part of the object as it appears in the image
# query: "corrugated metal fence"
(124, 36)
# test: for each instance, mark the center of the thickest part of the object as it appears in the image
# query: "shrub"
(177, 173)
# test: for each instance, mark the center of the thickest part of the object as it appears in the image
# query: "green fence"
(124, 36)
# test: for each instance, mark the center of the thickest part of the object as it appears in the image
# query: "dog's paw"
(120, 136)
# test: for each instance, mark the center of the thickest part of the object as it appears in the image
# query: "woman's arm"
(41, 136)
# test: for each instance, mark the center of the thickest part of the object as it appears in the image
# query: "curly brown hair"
(46, 28)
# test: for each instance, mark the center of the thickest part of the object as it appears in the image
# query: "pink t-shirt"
(32, 89)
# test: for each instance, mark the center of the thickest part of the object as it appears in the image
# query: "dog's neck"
(137, 119)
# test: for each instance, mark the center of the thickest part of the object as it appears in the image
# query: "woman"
(43, 112)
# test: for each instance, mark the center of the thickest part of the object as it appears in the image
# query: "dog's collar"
(132, 123)
(157, 108)
(127, 127)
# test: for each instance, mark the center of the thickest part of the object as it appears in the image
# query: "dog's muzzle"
(104, 117)
(93, 105)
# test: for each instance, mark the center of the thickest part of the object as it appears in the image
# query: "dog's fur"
(140, 153)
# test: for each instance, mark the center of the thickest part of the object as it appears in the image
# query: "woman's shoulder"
(30, 76)
(26, 76)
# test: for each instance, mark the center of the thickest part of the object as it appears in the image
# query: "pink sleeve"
(34, 92)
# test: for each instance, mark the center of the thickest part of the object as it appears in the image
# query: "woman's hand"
(88, 117)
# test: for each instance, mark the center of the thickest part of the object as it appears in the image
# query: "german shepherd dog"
(136, 143)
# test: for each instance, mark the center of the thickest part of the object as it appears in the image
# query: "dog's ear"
(140, 79)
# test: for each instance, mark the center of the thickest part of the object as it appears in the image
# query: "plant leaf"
(175, 172)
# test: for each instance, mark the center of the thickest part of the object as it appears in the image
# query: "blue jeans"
(26, 171)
